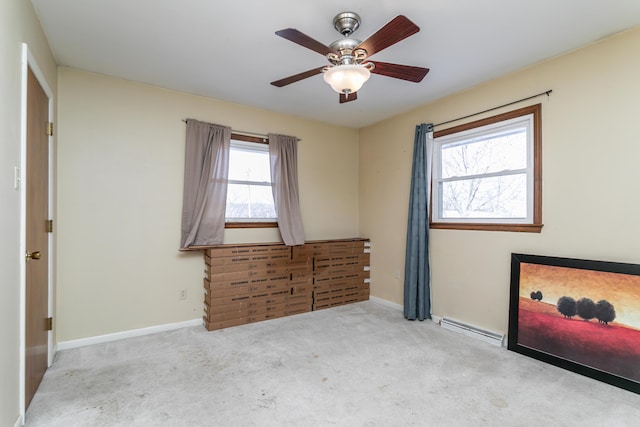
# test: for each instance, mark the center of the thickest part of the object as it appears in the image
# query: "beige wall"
(121, 165)
(590, 180)
(18, 24)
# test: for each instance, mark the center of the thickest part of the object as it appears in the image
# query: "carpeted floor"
(356, 365)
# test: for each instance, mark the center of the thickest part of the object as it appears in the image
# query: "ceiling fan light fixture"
(347, 78)
(348, 70)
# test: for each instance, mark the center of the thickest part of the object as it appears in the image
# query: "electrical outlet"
(183, 294)
(396, 274)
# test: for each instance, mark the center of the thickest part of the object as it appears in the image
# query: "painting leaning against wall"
(580, 315)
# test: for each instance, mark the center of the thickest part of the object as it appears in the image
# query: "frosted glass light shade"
(346, 78)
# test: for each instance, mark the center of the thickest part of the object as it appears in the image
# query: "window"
(249, 194)
(487, 174)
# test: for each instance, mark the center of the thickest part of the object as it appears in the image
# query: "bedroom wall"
(121, 165)
(18, 24)
(590, 178)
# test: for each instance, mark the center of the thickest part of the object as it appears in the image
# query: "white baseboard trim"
(82, 342)
(387, 303)
(434, 318)
(18, 422)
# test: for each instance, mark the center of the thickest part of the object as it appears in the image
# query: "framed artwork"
(577, 314)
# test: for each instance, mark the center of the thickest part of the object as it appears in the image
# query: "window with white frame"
(249, 194)
(487, 174)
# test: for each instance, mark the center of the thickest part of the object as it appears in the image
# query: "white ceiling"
(227, 49)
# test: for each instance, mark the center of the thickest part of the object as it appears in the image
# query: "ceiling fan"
(349, 57)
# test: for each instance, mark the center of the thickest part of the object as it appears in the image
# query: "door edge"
(29, 62)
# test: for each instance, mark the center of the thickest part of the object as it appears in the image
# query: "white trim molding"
(83, 342)
(387, 303)
(399, 307)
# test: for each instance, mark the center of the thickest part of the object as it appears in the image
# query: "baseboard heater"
(472, 331)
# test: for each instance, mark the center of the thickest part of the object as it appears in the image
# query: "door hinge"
(49, 226)
(50, 128)
(48, 325)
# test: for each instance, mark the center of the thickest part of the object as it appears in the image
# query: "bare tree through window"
(485, 177)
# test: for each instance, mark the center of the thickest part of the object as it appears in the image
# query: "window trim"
(250, 224)
(536, 225)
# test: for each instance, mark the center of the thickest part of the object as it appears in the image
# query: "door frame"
(29, 62)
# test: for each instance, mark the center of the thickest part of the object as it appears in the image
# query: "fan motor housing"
(345, 52)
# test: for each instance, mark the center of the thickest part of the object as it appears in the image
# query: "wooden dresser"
(253, 282)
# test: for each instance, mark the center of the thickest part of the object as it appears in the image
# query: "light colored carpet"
(356, 365)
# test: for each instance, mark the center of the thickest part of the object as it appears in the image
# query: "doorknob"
(32, 255)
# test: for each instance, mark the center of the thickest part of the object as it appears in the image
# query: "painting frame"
(597, 347)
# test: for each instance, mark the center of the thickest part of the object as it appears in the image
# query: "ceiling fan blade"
(402, 72)
(302, 39)
(348, 97)
(399, 28)
(297, 77)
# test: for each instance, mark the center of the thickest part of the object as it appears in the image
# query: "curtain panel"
(417, 287)
(283, 157)
(206, 172)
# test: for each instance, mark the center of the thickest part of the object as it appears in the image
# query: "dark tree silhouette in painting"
(567, 307)
(536, 295)
(586, 308)
(605, 312)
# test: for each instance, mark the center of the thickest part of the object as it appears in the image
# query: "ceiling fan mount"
(347, 56)
(346, 23)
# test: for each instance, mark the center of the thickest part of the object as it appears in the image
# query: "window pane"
(249, 202)
(486, 154)
(487, 174)
(249, 166)
(495, 197)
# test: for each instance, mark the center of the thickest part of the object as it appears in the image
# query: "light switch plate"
(16, 178)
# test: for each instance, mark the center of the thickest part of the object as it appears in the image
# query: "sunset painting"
(578, 314)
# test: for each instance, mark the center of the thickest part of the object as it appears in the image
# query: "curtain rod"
(259, 135)
(244, 132)
(495, 108)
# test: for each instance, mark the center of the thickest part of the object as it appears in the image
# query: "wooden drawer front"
(258, 281)
(215, 274)
(253, 300)
(303, 256)
(359, 275)
(247, 290)
(320, 293)
(260, 259)
(214, 315)
(361, 270)
(340, 297)
(338, 284)
(327, 248)
(214, 325)
(349, 261)
(363, 296)
(227, 289)
(242, 250)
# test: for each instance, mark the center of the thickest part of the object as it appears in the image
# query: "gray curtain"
(206, 172)
(283, 156)
(417, 289)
